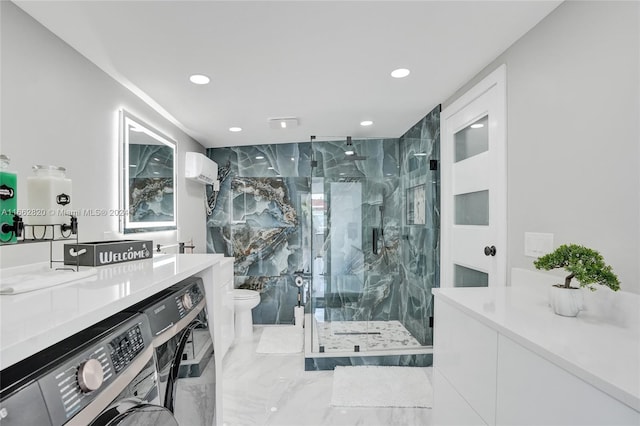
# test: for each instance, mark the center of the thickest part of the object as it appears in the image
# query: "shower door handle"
(375, 241)
(490, 251)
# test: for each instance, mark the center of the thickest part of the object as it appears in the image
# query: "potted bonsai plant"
(587, 266)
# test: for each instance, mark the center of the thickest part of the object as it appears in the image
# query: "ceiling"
(327, 63)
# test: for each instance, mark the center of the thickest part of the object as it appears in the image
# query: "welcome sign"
(102, 253)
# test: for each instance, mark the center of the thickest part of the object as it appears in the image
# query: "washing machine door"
(135, 412)
(174, 368)
(139, 415)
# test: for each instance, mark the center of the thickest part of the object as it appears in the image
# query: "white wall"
(58, 108)
(573, 134)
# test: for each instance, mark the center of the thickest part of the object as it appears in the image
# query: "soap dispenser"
(48, 200)
(8, 200)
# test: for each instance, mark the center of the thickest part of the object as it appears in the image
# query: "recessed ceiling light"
(270, 168)
(349, 152)
(477, 125)
(235, 129)
(259, 157)
(366, 123)
(199, 79)
(420, 154)
(293, 159)
(400, 73)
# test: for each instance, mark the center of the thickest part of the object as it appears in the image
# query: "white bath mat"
(378, 386)
(280, 340)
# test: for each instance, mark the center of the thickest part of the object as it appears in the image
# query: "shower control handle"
(490, 251)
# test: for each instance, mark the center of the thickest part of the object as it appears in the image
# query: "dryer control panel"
(77, 381)
(189, 298)
(167, 308)
(124, 348)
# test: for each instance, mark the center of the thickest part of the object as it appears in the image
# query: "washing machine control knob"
(187, 302)
(90, 375)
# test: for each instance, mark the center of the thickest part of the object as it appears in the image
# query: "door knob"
(490, 251)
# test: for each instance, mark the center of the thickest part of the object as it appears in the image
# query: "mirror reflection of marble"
(148, 177)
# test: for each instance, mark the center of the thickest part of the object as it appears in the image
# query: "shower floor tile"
(338, 336)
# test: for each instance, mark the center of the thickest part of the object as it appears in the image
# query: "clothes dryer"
(183, 351)
(102, 376)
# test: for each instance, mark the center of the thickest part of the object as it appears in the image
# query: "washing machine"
(183, 351)
(103, 376)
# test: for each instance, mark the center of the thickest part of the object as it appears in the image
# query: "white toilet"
(244, 301)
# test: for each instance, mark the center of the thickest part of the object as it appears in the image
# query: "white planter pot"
(566, 301)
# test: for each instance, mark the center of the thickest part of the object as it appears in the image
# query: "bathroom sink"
(27, 278)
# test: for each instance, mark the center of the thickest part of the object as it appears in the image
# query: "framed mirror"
(148, 177)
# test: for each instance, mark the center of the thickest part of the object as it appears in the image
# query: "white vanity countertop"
(602, 347)
(30, 322)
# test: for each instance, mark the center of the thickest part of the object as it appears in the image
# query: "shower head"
(350, 152)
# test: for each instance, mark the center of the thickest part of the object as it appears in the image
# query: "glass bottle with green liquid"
(8, 200)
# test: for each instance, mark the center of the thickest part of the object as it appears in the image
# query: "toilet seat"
(241, 294)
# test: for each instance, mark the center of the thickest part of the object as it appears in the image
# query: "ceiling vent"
(283, 123)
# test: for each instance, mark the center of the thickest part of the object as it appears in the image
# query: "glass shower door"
(338, 275)
(358, 297)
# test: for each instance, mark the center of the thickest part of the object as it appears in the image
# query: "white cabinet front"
(494, 376)
(534, 391)
(449, 407)
(465, 352)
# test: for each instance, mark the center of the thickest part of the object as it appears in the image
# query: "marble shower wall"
(263, 211)
(421, 231)
(401, 177)
(357, 196)
(261, 217)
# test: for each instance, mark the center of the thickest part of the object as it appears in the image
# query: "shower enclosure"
(361, 230)
(374, 246)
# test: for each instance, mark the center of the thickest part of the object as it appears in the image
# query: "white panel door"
(473, 181)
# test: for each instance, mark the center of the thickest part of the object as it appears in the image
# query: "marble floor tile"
(274, 390)
(195, 396)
